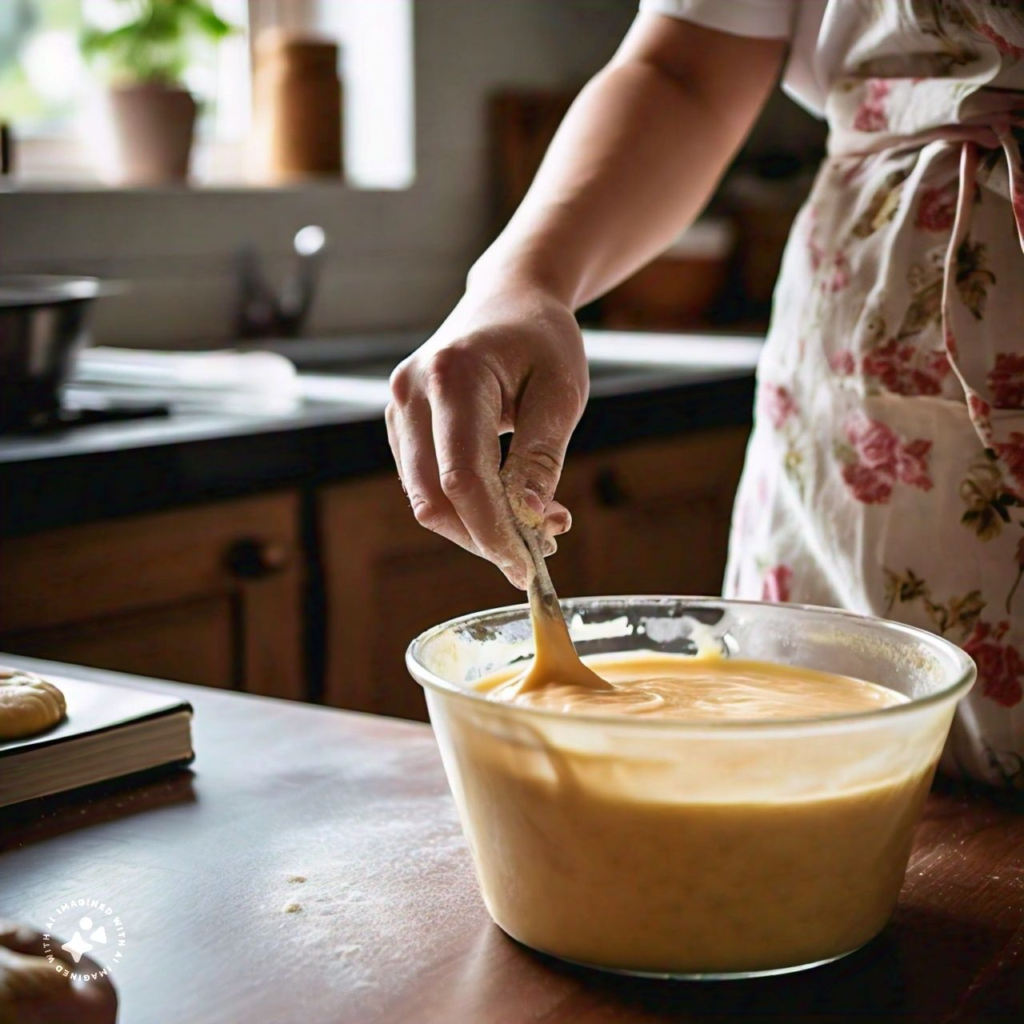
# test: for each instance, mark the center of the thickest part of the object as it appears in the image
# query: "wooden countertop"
(391, 927)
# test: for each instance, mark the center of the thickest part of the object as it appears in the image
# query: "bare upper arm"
(732, 74)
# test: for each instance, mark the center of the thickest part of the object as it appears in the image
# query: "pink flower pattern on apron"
(885, 473)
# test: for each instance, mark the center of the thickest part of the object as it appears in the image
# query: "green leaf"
(155, 43)
(207, 20)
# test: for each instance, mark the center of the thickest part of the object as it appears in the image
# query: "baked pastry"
(28, 704)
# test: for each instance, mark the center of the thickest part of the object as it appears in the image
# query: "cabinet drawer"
(84, 572)
(209, 594)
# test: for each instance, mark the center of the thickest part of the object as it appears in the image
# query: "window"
(377, 71)
(378, 67)
(50, 95)
(34, 37)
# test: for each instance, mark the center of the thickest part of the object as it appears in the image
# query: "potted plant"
(151, 113)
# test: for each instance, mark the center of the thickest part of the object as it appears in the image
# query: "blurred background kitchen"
(279, 199)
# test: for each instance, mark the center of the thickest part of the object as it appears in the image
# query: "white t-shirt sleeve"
(761, 19)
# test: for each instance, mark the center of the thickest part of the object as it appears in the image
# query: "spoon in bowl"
(555, 659)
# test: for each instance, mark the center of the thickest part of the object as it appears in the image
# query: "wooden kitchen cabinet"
(650, 517)
(210, 594)
(655, 517)
(387, 579)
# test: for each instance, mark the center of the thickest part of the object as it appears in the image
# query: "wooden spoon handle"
(541, 589)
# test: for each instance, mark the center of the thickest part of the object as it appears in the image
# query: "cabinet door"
(191, 641)
(209, 595)
(656, 519)
(387, 579)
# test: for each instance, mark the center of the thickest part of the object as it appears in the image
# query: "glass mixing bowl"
(679, 849)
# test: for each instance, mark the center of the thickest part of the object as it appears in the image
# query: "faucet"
(262, 313)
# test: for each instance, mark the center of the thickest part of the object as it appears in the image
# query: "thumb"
(544, 424)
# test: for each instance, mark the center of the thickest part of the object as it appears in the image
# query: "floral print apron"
(885, 473)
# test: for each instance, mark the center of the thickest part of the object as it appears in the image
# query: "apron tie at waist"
(1001, 430)
(995, 131)
(1007, 443)
(996, 134)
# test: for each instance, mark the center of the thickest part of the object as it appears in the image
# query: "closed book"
(109, 731)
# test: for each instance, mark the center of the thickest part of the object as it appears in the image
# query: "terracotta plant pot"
(151, 129)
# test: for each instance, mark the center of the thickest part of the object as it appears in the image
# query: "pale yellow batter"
(610, 848)
(693, 689)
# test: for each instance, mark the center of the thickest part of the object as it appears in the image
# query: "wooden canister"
(296, 107)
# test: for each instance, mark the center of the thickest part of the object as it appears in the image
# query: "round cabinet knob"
(252, 559)
(609, 491)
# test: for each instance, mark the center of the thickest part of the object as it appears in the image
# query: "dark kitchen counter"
(96, 472)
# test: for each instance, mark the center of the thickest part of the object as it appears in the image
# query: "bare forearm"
(635, 160)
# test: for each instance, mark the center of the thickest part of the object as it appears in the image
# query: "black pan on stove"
(43, 326)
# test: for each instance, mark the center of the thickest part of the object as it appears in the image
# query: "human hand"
(508, 359)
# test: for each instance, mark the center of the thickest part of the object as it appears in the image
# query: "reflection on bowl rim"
(963, 682)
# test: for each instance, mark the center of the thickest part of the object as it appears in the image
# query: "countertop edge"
(57, 491)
